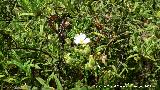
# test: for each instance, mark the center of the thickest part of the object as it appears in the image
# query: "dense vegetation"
(37, 48)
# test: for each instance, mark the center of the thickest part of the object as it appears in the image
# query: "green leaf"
(20, 65)
(158, 14)
(99, 34)
(114, 68)
(35, 65)
(27, 14)
(91, 60)
(59, 86)
(132, 56)
(100, 48)
(1, 76)
(42, 82)
(113, 1)
(25, 87)
(48, 88)
(10, 80)
(24, 79)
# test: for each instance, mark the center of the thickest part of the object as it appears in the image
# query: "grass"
(37, 48)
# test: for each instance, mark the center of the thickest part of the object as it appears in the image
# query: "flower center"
(81, 41)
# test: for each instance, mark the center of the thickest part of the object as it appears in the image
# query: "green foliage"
(37, 48)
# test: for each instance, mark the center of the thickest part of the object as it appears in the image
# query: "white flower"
(81, 39)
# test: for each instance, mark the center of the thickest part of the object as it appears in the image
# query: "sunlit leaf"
(42, 82)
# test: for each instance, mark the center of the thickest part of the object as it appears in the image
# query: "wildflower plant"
(82, 50)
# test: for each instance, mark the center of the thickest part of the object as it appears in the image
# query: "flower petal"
(82, 36)
(76, 36)
(87, 40)
(77, 41)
